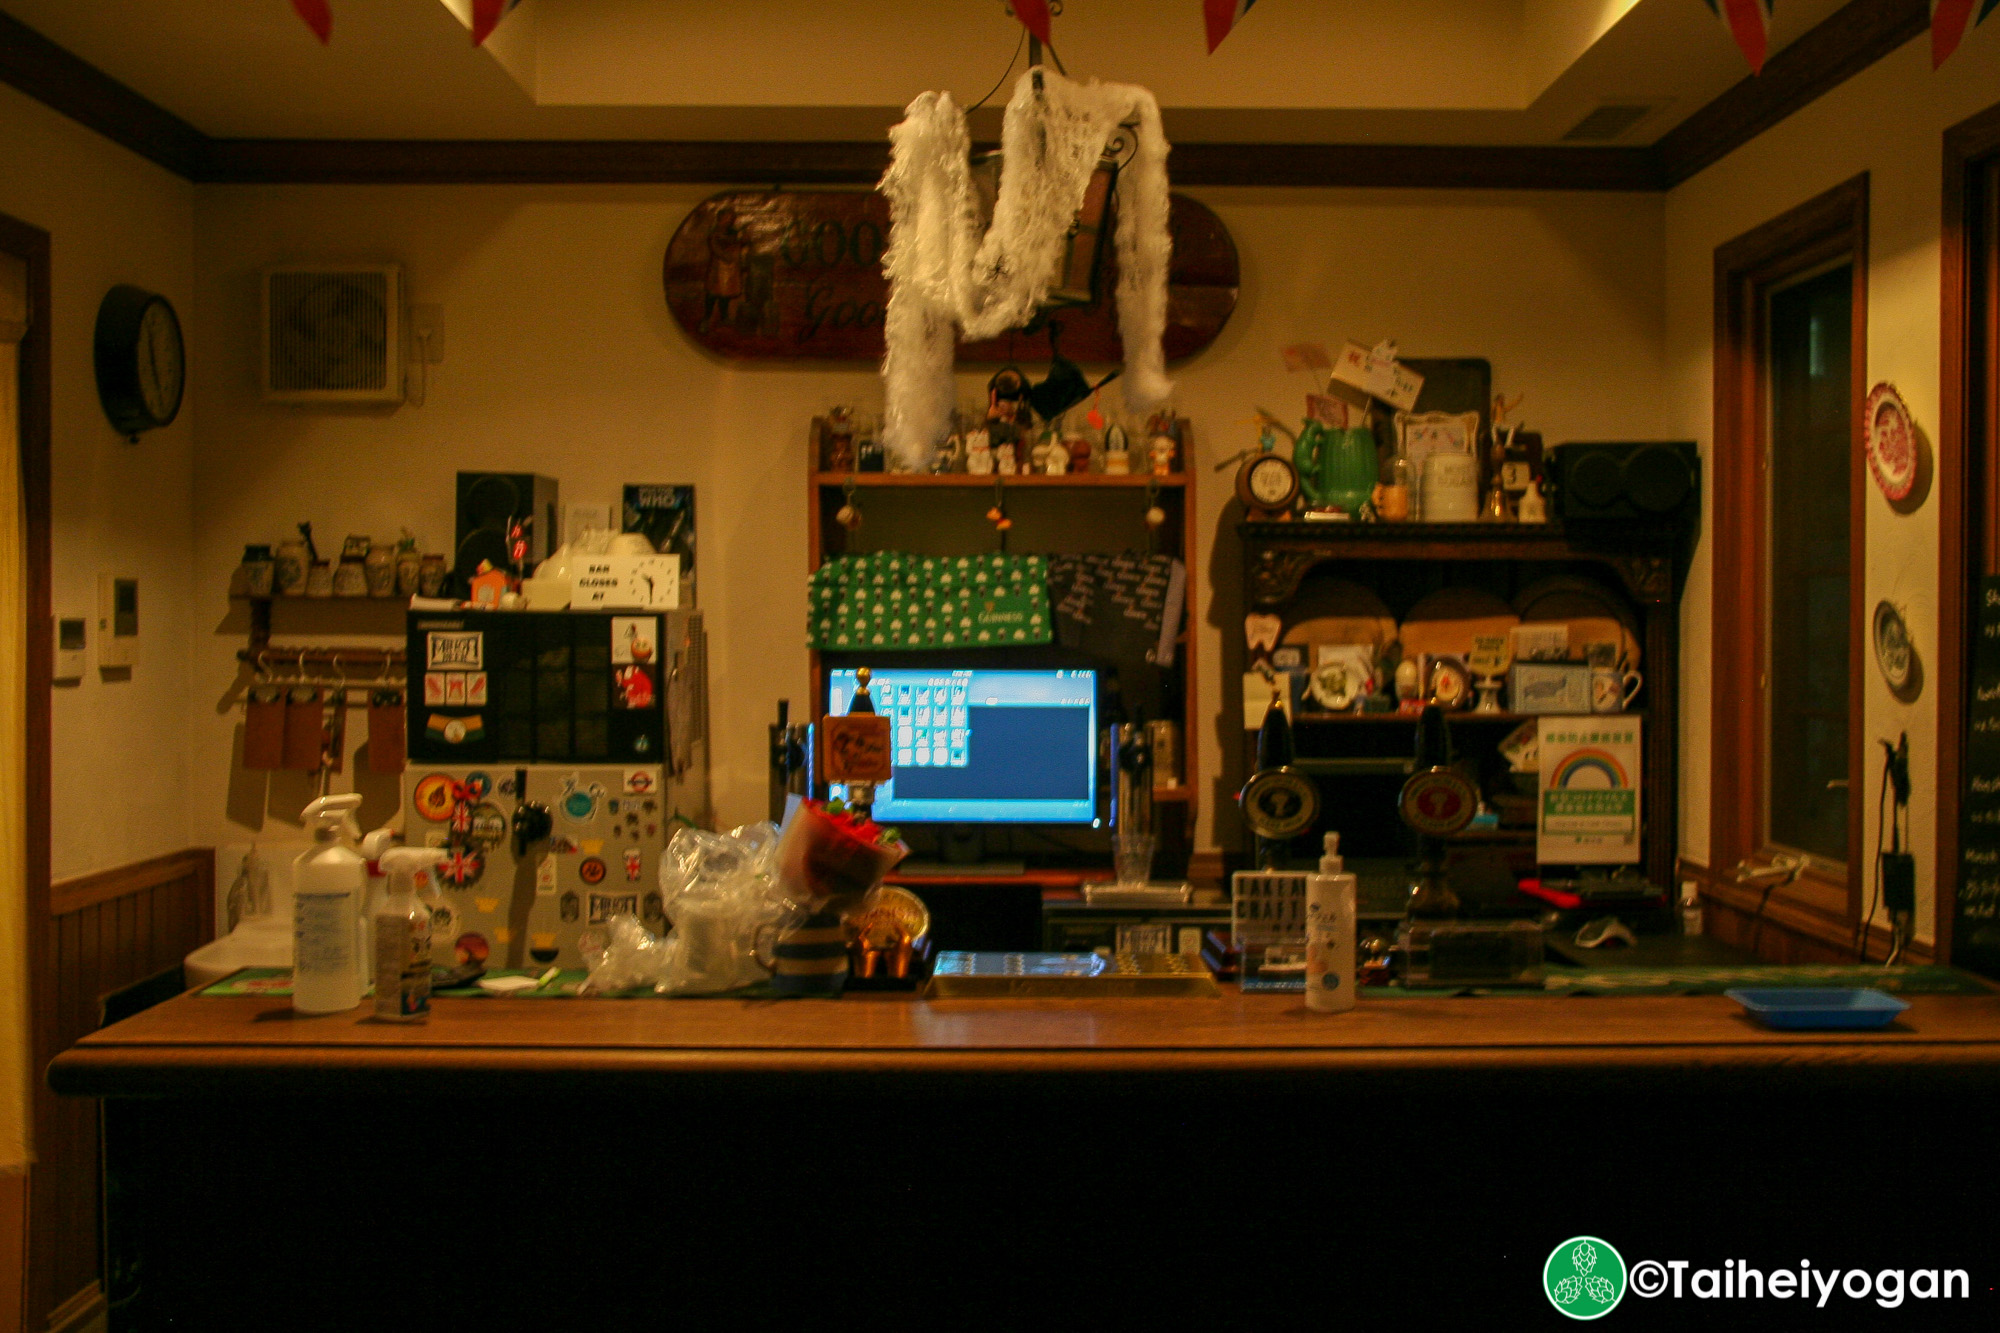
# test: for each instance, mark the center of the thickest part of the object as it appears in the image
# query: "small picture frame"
(1545, 688)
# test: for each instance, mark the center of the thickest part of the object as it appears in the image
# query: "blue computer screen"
(978, 747)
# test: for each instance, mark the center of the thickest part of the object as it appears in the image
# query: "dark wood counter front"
(1038, 1164)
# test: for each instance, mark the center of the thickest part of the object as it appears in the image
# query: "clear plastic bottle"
(402, 936)
(330, 882)
(1330, 933)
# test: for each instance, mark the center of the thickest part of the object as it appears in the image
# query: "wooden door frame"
(1821, 230)
(1968, 482)
(31, 246)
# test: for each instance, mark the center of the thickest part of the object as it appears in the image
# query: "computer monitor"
(974, 746)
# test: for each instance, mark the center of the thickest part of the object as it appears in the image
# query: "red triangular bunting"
(1219, 16)
(1749, 22)
(318, 17)
(1034, 16)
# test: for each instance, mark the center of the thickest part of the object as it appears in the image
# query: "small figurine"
(1532, 508)
(1078, 447)
(950, 455)
(1003, 461)
(1117, 451)
(1055, 459)
(978, 454)
(1161, 451)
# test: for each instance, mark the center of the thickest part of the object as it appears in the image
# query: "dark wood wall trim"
(89, 96)
(103, 932)
(1850, 40)
(1846, 43)
(1968, 484)
(615, 161)
(1823, 229)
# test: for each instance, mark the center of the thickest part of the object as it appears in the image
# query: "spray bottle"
(330, 881)
(401, 943)
(1330, 936)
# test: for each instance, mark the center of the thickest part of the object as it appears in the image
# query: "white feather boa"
(945, 279)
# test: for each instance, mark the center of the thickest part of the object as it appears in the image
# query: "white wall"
(121, 764)
(560, 355)
(1887, 121)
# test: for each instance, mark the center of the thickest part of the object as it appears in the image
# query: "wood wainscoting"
(1787, 931)
(104, 931)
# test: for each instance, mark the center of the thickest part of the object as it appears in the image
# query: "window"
(1790, 366)
(1808, 550)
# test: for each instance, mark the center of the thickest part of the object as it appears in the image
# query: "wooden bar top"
(190, 1044)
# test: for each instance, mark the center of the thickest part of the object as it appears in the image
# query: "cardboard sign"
(855, 748)
(628, 582)
(1588, 811)
(1378, 374)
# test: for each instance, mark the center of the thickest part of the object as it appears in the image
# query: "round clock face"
(161, 366)
(1271, 481)
(141, 365)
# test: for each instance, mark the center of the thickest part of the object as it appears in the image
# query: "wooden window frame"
(31, 245)
(1824, 229)
(1968, 480)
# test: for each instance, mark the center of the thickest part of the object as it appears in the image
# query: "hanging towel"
(895, 601)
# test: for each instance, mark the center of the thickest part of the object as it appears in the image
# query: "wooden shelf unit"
(1645, 564)
(1049, 516)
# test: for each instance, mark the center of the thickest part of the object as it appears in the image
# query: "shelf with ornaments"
(1030, 513)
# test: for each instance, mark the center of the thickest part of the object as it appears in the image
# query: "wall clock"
(141, 364)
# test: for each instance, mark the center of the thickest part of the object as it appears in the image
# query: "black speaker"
(507, 518)
(1633, 481)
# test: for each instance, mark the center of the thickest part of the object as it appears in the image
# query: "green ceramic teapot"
(1337, 466)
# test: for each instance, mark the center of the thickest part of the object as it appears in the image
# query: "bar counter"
(968, 1162)
(193, 1046)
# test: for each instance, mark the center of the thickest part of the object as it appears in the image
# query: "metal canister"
(1164, 736)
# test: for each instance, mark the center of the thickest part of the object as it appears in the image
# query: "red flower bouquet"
(829, 852)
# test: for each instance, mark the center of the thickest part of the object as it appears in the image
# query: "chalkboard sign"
(1975, 935)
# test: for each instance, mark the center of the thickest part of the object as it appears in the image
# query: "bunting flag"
(486, 16)
(1222, 15)
(1949, 20)
(1749, 22)
(318, 17)
(1034, 16)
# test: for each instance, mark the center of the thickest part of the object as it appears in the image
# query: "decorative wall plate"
(1894, 653)
(1891, 441)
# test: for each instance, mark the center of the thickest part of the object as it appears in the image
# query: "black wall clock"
(141, 366)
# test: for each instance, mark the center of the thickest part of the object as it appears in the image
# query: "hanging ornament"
(849, 513)
(1156, 517)
(1034, 16)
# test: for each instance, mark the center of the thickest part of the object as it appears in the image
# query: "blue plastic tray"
(1839, 1008)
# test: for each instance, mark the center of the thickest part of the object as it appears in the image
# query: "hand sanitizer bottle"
(401, 939)
(326, 909)
(1330, 936)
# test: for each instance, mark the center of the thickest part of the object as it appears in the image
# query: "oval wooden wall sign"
(797, 274)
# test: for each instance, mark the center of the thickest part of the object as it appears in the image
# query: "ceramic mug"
(1612, 690)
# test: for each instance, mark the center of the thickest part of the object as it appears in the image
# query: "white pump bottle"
(1330, 933)
(331, 882)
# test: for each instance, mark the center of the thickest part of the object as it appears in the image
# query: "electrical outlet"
(71, 644)
(427, 334)
(117, 622)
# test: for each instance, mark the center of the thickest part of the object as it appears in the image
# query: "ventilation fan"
(333, 333)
